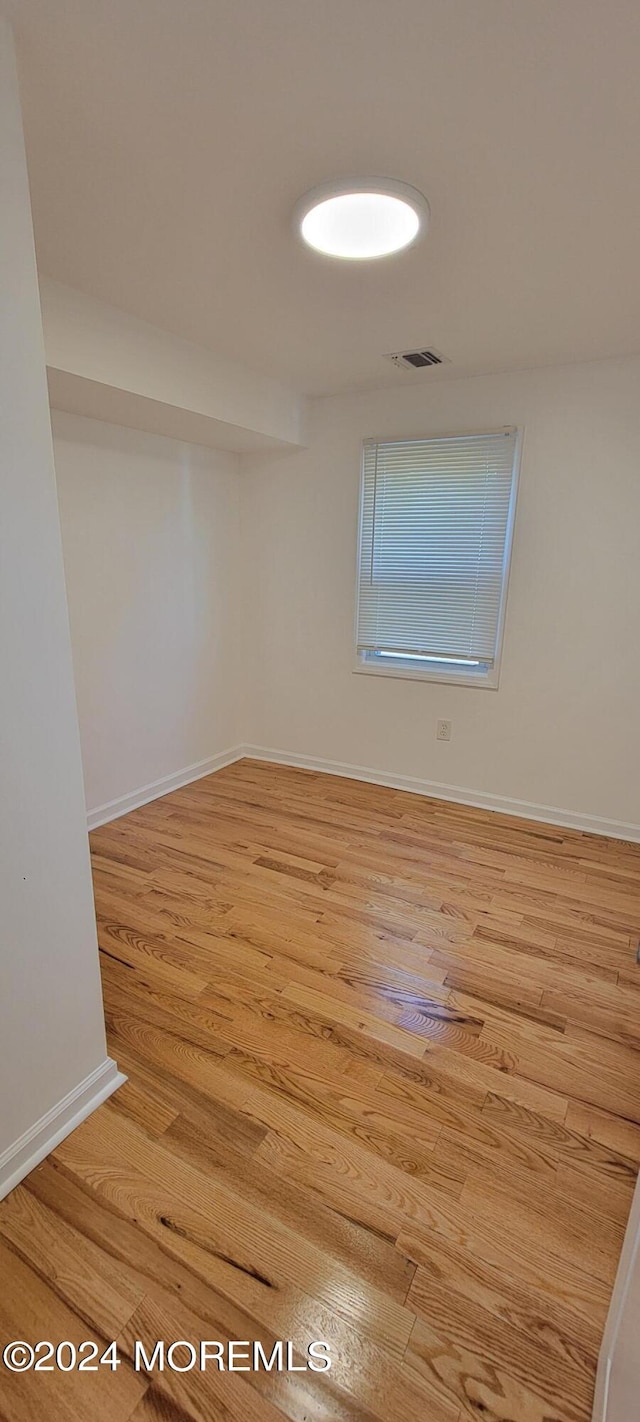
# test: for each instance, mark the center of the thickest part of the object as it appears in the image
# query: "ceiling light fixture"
(362, 218)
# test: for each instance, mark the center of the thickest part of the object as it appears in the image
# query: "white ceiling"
(168, 141)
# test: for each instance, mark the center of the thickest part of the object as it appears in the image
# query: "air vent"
(417, 360)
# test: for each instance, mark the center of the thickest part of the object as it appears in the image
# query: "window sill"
(487, 681)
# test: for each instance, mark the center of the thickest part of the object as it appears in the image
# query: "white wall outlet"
(443, 731)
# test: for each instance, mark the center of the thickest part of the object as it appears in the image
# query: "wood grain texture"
(384, 1090)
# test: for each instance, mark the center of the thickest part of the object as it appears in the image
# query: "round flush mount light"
(359, 219)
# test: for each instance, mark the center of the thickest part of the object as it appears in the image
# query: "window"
(435, 533)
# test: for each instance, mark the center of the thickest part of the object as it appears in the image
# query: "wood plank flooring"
(384, 1091)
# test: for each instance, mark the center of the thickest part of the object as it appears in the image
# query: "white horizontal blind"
(434, 524)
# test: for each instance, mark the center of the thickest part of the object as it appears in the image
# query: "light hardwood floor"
(384, 1091)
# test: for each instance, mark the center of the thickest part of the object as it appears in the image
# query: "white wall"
(616, 1390)
(152, 556)
(562, 730)
(51, 1025)
(109, 365)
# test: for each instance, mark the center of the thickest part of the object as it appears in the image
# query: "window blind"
(434, 528)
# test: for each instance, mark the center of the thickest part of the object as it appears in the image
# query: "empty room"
(320, 711)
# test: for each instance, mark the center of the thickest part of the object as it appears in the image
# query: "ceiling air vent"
(417, 360)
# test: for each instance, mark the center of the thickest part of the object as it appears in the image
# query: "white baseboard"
(46, 1134)
(458, 794)
(132, 801)
(478, 799)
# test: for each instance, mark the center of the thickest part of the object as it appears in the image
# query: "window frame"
(407, 670)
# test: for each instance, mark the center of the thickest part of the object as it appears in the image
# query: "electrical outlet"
(443, 731)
